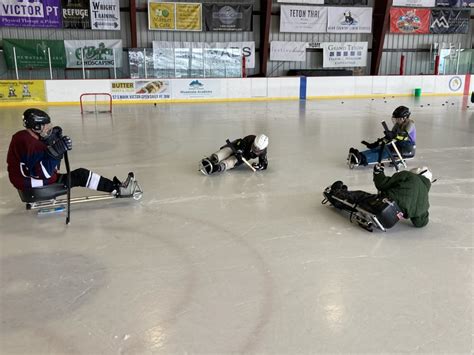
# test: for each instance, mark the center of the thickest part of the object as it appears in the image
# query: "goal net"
(93, 102)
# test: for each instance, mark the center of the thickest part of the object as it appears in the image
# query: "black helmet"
(401, 112)
(34, 119)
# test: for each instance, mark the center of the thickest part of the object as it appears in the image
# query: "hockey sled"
(370, 212)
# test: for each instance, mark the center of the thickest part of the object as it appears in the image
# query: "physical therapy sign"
(31, 13)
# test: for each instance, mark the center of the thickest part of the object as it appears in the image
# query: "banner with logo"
(32, 53)
(415, 3)
(196, 89)
(97, 53)
(161, 15)
(22, 90)
(409, 20)
(349, 19)
(450, 21)
(20, 13)
(455, 3)
(188, 17)
(288, 51)
(313, 2)
(75, 14)
(345, 54)
(153, 89)
(227, 17)
(298, 18)
(105, 14)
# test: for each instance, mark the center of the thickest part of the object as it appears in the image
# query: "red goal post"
(101, 102)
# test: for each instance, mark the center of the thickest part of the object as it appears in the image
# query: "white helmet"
(423, 171)
(260, 143)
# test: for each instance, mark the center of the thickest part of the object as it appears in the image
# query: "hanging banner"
(140, 89)
(449, 21)
(161, 15)
(288, 51)
(22, 91)
(349, 19)
(20, 13)
(407, 20)
(32, 53)
(75, 14)
(309, 19)
(188, 17)
(345, 2)
(219, 17)
(97, 53)
(105, 14)
(455, 3)
(415, 3)
(344, 55)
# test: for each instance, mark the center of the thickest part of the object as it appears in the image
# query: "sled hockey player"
(35, 154)
(236, 153)
(402, 195)
(403, 134)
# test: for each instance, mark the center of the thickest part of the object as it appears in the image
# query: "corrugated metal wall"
(414, 47)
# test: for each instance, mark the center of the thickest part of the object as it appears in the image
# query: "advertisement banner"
(309, 19)
(408, 20)
(75, 14)
(32, 53)
(188, 17)
(288, 51)
(196, 89)
(220, 17)
(105, 14)
(161, 15)
(345, 54)
(312, 2)
(22, 90)
(455, 3)
(97, 53)
(153, 89)
(449, 21)
(20, 13)
(415, 3)
(349, 19)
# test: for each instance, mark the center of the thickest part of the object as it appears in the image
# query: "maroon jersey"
(29, 165)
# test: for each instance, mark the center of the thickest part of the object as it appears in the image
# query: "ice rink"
(241, 262)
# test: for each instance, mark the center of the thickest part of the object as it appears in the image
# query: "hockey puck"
(154, 104)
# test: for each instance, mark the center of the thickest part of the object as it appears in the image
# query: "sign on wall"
(288, 51)
(227, 17)
(174, 16)
(105, 14)
(455, 3)
(75, 14)
(315, 2)
(345, 54)
(97, 53)
(415, 3)
(188, 17)
(140, 89)
(449, 21)
(345, 2)
(36, 13)
(349, 19)
(161, 15)
(31, 53)
(196, 88)
(309, 19)
(22, 90)
(408, 20)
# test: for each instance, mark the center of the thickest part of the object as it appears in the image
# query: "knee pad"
(221, 154)
(80, 176)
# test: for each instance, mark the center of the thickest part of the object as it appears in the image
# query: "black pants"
(86, 178)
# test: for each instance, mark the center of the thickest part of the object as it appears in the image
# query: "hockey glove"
(378, 168)
(389, 135)
(238, 155)
(257, 166)
(55, 134)
(58, 148)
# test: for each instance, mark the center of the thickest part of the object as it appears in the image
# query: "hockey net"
(96, 102)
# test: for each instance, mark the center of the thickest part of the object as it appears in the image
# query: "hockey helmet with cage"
(260, 143)
(35, 119)
(423, 171)
(400, 114)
